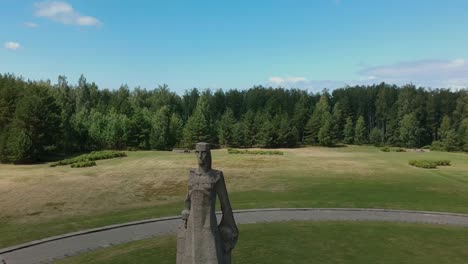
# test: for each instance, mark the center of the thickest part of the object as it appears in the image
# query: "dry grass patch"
(150, 183)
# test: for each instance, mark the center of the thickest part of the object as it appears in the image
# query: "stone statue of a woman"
(200, 239)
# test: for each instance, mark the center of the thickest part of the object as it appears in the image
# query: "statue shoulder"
(217, 174)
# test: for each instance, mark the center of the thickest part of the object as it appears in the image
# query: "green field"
(312, 242)
(38, 201)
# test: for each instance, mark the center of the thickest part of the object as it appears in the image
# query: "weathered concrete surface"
(54, 248)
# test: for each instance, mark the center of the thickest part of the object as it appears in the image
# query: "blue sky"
(237, 44)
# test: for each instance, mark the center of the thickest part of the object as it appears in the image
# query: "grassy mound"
(254, 152)
(429, 164)
(95, 155)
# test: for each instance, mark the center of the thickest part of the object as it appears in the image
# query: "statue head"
(203, 152)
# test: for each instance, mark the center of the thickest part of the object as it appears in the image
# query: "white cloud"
(31, 25)
(427, 73)
(286, 81)
(12, 45)
(64, 13)
(303, 83)
(430, 73)
(87, 21)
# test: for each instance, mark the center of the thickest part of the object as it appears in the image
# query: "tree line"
(39, 118)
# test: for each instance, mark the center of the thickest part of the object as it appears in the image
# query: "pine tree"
(16, 146)
(140, 129)
(349, 131)
(160, 131)
(36, 123)
(249, 130)
(117, 130)
(375, 137)
(360, 132)
(445, 127)
(451, 140)
(316, 121)
(265, 137)
(325, 135)
(288, 134)
(176, 127)
(339, 122)
(461, 110)
(197, 128)
(96, 125)
(226, 128)
(238, 137)
(463, 135)
(409, 130)
(301, 112)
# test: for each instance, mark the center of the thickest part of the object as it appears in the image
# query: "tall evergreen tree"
(326, 135)
(176, 127)
(339, 121)
(36, 123)
(301, 112)
(226, 128)
(349, 131)
(265, 137)
(463, 133)
(288, 135)
(375, 137)
(250, 127)
(160, 132)
(409, 131)
(140, 129)
(317, 120)
(445, 127)
(117, 129)
(450, 141)
(360, 132)
(197, 127)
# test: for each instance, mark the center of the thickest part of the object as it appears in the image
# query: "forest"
(40, 118)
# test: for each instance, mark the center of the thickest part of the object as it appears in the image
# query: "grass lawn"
(38, 201)
(312, 242)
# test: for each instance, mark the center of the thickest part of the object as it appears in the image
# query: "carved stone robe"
(202, 241)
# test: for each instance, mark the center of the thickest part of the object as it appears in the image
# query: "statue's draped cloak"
(202, 241)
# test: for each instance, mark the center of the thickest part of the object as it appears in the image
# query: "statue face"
(202, 157)
(202, 150)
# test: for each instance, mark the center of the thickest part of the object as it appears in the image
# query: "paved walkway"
(54, 248)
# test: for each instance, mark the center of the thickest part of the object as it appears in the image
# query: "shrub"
(83, 164)
(429, 164)
(254, 152)
(132, 149)
(443, 162)
(385, 149)
(95, 155)
(438, 146)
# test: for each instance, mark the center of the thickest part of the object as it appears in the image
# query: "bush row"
(83, 164)
(429, 164)
(95, 155)
(387, 149)
(254, 152)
